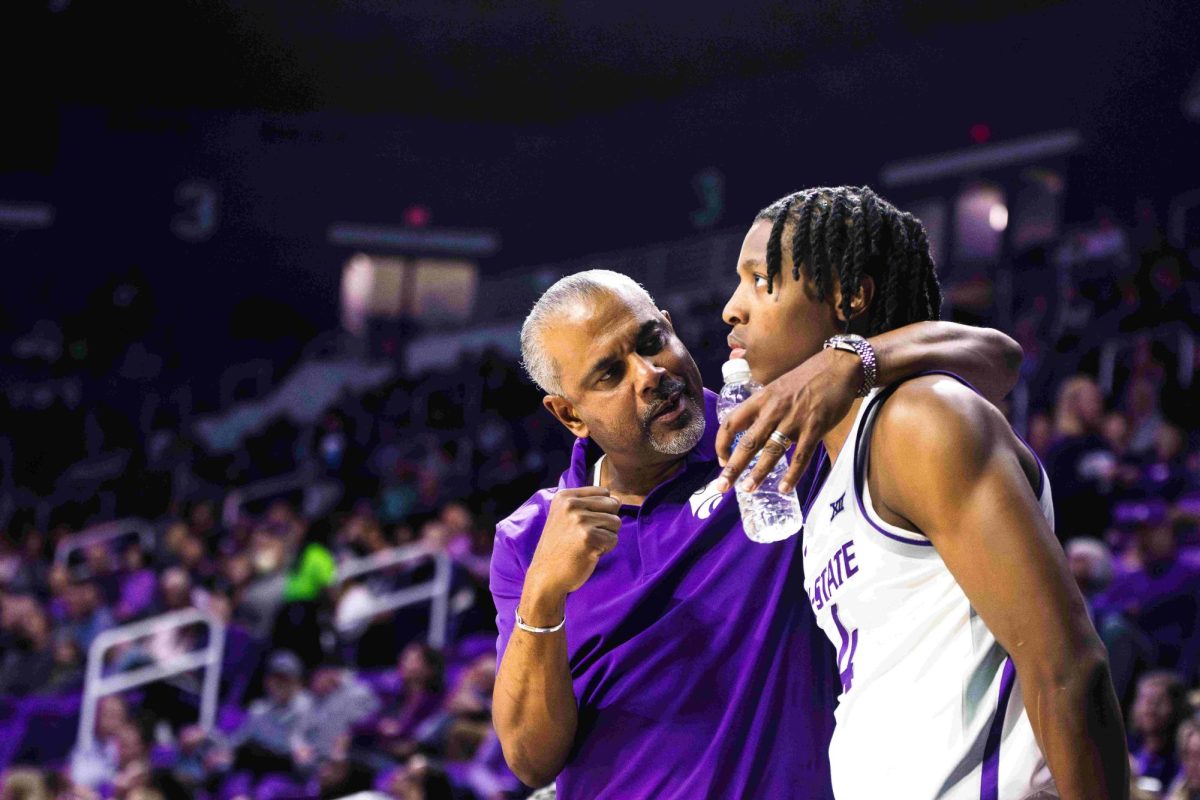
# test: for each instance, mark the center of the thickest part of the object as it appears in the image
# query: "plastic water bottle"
(767, 514)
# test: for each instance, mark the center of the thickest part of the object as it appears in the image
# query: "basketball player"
(647, 648)
(967, 659)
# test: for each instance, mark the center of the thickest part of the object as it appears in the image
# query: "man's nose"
(648, 374)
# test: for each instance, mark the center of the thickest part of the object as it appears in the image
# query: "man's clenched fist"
(581, 527)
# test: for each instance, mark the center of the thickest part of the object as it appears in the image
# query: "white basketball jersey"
(930, 705)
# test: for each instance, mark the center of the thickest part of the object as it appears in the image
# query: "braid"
(897, 263)
(919, 303)
(818, 265)
(914, 281)
(859, 242)
(849, 272)
(802, 251)
(932, 291)
(845, 234)
(774, 243)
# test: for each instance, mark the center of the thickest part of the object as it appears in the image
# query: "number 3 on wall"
(199, 204)
(845, 651)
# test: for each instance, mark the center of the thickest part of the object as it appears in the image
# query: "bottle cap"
(735, 369)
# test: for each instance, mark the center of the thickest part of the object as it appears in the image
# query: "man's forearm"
(533, 706)
(1077, 720)
(987, 358)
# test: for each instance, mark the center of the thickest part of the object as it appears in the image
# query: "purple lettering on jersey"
(848, 559)
(837, 571)
(846, 651)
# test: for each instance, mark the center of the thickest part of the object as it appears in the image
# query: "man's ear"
(564, 412)
(860, 302)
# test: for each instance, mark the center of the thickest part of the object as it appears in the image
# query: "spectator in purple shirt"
(663, 654)
(138, 584)
(422, 677)
(1162, 596)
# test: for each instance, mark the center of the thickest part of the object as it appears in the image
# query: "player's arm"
(805, 403)
(533, 702)
(988, 359)
(945, 462)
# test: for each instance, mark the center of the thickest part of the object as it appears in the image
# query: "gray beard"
(676, 443)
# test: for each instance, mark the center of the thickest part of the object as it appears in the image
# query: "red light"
(980, 133)
(417, 216)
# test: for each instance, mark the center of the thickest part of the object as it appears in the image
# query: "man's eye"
(760, 281)
(653, 344)
(609, 374)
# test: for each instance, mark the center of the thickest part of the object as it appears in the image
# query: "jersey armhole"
(891, 537)
(911, 541)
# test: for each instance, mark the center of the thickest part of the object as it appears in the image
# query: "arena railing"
(435, 591)
(102, 534)
(97, 685)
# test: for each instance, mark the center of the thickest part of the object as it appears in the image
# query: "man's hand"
(803, 404)
(581, 527)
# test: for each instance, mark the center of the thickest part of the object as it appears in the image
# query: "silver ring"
(781, 440)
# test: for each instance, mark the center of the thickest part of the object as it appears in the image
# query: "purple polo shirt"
(698, 668)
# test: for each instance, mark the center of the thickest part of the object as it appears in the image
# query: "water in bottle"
(767, 514)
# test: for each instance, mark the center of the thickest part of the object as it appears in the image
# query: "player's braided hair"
(843, 233)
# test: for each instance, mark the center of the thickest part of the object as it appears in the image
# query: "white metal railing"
(436, 591)
(98, 685)
(101, 534)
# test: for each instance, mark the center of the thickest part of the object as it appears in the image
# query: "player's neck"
(631, 482)
(835, 440)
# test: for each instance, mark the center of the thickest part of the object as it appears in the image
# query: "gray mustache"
(668, 387)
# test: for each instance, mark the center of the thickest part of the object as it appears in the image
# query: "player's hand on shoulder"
(581, 526)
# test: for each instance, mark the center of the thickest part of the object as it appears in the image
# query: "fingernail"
(749, 485)
(784, 487)
(721, 485)
(721, 461)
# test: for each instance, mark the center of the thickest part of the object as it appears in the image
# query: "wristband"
(853, 343)
(532, 629)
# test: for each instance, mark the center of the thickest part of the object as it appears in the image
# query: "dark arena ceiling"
(470, 59)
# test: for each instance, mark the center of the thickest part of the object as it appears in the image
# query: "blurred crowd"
(1126, 485)
(323, 695)
(309, 707)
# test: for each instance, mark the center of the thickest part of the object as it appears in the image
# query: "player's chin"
(764, 371)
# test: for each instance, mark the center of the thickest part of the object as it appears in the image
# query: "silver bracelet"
(853, 343)
(532, 629)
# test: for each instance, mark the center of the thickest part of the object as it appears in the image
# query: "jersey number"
(846, 651)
